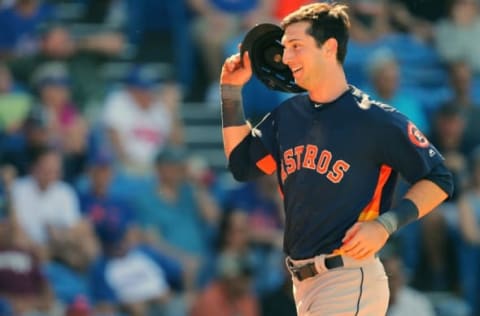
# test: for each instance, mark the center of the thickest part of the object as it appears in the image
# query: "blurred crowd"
(105, 211)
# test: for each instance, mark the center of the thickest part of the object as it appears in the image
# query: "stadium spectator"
(460, 75)
(23, 288)
(404, 300)
(225, 20)
(18, 151)
(83, 56)
(67, 129)
(47, 208)
(383, 70)
(138, 124)
(128, 278)
(19, 24)
(160, 32)
(230, 293)
(469, 214)
(174, 200)
(453, 35)
(261, 204)
(14, 103)
(440, 230)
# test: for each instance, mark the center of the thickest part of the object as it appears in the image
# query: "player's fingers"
(351, 233)
(365, 253)
(350, 245)
(356, 250)
(246, 60)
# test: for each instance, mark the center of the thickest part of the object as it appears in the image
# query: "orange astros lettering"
(308, 157)
(338, 171)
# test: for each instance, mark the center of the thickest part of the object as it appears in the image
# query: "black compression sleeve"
(232, 110)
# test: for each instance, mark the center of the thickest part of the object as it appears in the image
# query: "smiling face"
(308, 62)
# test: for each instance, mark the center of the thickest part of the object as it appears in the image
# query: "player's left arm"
(364, 239)
(413, 155)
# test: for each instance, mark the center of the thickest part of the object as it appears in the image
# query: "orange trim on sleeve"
(267, 164)
(372, 210)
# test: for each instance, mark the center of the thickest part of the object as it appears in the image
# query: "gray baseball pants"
(359, 288)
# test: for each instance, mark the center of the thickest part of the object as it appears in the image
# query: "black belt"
(308, 270)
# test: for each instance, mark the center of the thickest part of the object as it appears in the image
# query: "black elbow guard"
(442, 177)
(240, 162)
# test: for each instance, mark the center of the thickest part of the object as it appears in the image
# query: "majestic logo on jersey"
(310, 157)
(416, 136)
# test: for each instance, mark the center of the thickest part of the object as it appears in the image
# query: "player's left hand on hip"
(364, 239)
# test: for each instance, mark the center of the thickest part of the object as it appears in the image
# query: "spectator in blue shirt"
(134, 279)
(180, 217)
(19, 24)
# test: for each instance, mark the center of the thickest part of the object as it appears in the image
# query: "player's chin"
(300, 83)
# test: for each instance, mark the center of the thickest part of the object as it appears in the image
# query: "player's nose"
(286, 57)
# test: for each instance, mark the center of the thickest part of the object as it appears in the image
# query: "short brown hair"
(328, 20)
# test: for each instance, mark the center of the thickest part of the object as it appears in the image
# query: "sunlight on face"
(306, 60)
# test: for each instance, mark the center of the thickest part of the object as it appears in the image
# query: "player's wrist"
(232, 109)
(231, 91)
(394, 219)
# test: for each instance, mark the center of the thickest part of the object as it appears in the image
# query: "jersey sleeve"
(255, 155)
(405, 148)
(265, 150)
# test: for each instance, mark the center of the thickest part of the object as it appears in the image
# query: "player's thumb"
(351, 232)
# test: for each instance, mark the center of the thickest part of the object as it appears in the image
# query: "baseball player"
(336, 154)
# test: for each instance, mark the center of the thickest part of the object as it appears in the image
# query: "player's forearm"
(234, 126)
(423, 197)
(426, 195)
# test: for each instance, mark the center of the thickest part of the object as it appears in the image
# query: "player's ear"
(330, 46)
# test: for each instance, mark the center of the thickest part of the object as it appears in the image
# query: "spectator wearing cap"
(98, 200)
(135, 279)
(179, 216)
(138, 123)
(67, 128)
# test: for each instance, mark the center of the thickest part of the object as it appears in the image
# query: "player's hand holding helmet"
(236, 70)
(263, 44)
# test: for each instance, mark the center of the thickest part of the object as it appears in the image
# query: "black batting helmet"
(265, 49)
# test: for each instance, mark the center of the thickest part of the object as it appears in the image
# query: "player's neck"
(330, 88)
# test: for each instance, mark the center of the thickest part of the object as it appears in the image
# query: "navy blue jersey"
(337, 164)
